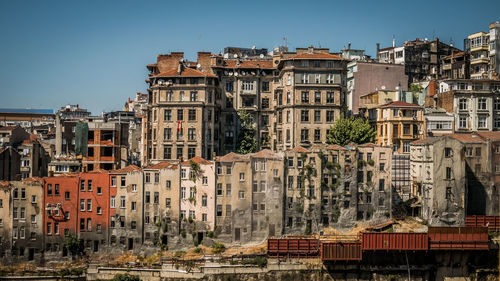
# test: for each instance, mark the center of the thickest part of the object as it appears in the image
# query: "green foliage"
(261, 261)
(71, 272)
(218, 248)
(198, 250)
(415, 88)
(74, 245)
(308, 229)
(247, 143)
(336, 213)
(371, 162)
(179, 254)
(183, 234)
(125, 277)
(347, 130)
(210, 234)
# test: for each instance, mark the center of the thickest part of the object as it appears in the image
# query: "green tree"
(415, 88)
(125, 277)
(246, 139)
(74, 245)
(347, 130)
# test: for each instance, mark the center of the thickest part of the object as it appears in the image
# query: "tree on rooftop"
(347, 130)
(246, 138)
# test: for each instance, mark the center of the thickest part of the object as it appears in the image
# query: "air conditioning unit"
(58, 206)
(48, 207)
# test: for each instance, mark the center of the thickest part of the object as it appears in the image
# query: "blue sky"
(94, 53)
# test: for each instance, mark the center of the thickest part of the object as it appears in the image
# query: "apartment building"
(494, 47)
(26, 118)
(5, 221)
(456, 66)
(34, 159)
(27, 203)
(126, 208)
(249, 196)
(183, 114)
(161, 202)
(478, 45)
(310, 96)
(10, 164)
(398, 123)
(438, 122)
(197, 197)
(422, 58)
(246, 84)
(12, 136)
(473, 103)
(366, 77)
(438, 180)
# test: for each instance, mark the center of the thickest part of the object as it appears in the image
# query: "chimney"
(204, 60)
(58, 135)
(378, 49)
(171, 61)
(349, 46)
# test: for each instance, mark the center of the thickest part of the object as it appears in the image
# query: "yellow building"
(399, 123)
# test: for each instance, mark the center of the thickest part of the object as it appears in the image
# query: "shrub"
(183, 234)
(218, 248)
(197, 250)
(210, 234)
(125, 277)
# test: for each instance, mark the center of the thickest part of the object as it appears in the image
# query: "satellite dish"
(235, 55)
(231, 73)
(253, 73)
(198, 65)
(236, 74)
(243, 73)
(261, 56)
(226, 73)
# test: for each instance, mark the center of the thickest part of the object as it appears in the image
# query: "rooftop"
(26, 110)
(400, 104)
(186, 72)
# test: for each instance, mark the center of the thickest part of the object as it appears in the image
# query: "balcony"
(479, 60)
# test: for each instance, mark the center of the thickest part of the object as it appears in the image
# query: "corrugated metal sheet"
(492, 222)
(394, 241)
(296, 247)
(339, 251)
(458, 238)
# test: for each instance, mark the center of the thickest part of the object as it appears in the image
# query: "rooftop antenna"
(451, 42)
(393, 41)
(433, 34)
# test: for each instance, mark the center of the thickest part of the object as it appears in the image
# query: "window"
(89, 224)
(33, 218)
(113, 181)
(478, 151)
(448, 173)
(448, 192)
(180, 114)
(462, 121)
(89, 205)
(183, 173)
(304, 115)
(329, 116)
(304, 63)
(481, 104)
(317, 63)
(317, 116)
(228, 170)
(49, 229)
(168, 202)
(290, 182)
(317, 97)
(204, 201)
(219, 210)
(133, 206)
(219, 189)
(228, 189)
(263, 165)
(82, 205)
(263, 186)
(304, 79)
(317, 78)
(191, 134)
(382, 166)
(33, 199)
(82, 185)
(204, 217)
(229, 86)
(381, 184)
(406, 146)
(305, 97)
(122, 202)
(481, 121)
(330, 96)
(228, 210)
(317, 135)
(304, 135)
(148, 177)
(191, 152)
(241, 194)
(183, 192)
(247, 85)
(167, 115)
(265, 86)
(448, 152)
(462, 104)
(193, 96)
(242, 176)
(265, 103)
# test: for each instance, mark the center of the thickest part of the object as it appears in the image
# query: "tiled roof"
(186, 72)
(468, 138)
(494, 136)
(4, 183)
(299, 149)
(400, 104)
(335, 147)
(266, 153)
(161, 166)
(33, 179)
(128, 169)
(367, 145)
(316, 56)
(232, 157)
(427, 140)
(248, 64)
(197, 159)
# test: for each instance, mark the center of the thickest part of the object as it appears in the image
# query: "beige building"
(249, 192)
(438, 180)
(478, 45)
(127, 221)
(27, 213)
(197, 197)
(309, 95)
(183, 116)
(5, 221)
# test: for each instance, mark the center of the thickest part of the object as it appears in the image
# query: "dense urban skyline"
(94, 53)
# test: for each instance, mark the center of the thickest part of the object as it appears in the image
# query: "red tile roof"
(316, 56)
(4, 183)
(335, 147)
(399, 104)
(161, 166)
(128, 169)
(33, 179)
(299, 149)
(494, 136)
(198, 160)
(266, 153)
(186, 72)
(427, 140)
(232, 157)
(467, 138)
(248, 64)
(369, 144)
